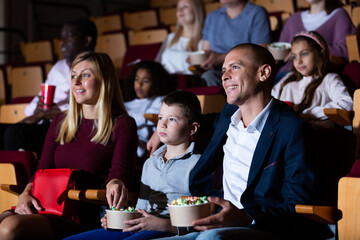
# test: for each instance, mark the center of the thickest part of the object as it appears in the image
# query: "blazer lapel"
(265, 141)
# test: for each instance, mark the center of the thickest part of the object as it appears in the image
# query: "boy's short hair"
(187, 101)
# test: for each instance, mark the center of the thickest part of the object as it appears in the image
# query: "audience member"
(267, 153)
(311, 86)
(328, 18)
(186, 38)
(148, 83)
(95, 136)
(165, 175)
(77, 35)
(239, 21)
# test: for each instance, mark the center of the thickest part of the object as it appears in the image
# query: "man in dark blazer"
(268, 156)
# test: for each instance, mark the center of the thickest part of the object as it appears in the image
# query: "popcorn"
(128, 209)
(184, 201)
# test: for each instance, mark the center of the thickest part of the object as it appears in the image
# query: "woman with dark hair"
(147, 83)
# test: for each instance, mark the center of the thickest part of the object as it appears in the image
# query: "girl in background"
(148, 83)
(186, 38)
(310, 86)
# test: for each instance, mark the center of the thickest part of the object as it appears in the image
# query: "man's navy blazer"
(281, 172)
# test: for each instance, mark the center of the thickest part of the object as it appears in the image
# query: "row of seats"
(336, 162)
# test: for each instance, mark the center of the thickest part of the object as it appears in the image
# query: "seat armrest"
(97, 196)
(340, 116)
(151, 117)
(14, 189)
(321, 214)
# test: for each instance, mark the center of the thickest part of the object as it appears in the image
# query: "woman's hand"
(27, 202)
(116, 193)
(213, 60)
(149, 222)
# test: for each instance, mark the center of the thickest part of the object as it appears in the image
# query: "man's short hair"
(259, 56)
(187, 101)
(86, 28)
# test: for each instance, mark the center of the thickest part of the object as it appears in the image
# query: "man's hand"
(41, 113)
(153, 143)
(229, 216)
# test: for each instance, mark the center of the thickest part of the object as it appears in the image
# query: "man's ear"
(264, 72)
(88, 41)
(194, 128)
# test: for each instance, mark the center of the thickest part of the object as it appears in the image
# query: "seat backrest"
(352, 45)
(212, 6)
(212, 99)
(276, 5)
(26, 81)
(168, 16)
(356, 121)
(40, 51)
(350, 74)
(162, 3)
(211, 103)
(138, 53)
(336, 148)
(108, 23)
(147, 36)
(7, 176)
(25, 158)
(141, 19)
(355, 16)
(2, 87)
(348, 203)
(114, 45)
(302, 4)
(16, 167)
(57, 48)
(12, 113)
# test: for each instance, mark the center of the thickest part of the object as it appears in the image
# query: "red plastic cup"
(291, 104)
(47, 92)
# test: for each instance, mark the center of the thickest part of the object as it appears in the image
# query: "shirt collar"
(161, 151)
(257, 124)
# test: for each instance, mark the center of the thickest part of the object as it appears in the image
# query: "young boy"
(165, 175)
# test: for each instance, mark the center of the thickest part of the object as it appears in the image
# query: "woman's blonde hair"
(197, 7)
(109, 105)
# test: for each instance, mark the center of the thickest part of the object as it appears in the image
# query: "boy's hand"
(149, 222)
(229, 216)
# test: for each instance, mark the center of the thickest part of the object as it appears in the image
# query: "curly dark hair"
(162, 83)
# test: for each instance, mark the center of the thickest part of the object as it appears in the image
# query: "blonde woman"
(186, 38)
(95, 136)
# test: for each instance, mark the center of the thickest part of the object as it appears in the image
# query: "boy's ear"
(194, 128)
